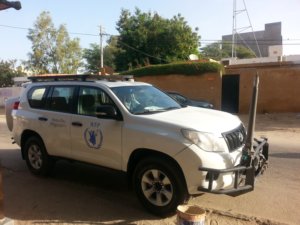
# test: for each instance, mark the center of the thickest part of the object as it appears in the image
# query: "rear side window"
(36, 97)
(61, 99)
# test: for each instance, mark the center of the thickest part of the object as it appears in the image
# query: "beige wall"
(200, 87)
(8, 92)
(279, 89)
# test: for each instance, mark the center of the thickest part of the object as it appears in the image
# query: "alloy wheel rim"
(35, 156)
(157, 187)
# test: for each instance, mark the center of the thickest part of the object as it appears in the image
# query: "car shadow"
(73, 193)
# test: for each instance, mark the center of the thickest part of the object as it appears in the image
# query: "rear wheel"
(37, 159)
(159, 185)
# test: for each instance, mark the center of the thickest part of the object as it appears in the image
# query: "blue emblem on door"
(93, 136)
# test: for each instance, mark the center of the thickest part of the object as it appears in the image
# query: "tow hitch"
(254, 159)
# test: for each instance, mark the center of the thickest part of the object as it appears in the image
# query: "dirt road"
(81, 194)
(277, 192)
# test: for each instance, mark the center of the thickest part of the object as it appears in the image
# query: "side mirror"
(107, 112)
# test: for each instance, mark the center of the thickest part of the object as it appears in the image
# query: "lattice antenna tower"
(236, 30)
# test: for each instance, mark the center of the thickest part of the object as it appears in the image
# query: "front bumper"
(244, 175)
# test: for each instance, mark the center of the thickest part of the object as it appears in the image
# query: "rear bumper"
(243, 176)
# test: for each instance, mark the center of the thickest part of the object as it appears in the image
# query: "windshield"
(145, 99)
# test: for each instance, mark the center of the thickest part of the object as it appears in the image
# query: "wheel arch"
(140, 154)
(25, 135)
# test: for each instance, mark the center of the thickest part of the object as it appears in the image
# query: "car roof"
(108, 81)
(112, 84)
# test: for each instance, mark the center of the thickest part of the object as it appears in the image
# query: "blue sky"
(212, 17)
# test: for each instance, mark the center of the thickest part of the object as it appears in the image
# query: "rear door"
(95, 140)
(52, 115)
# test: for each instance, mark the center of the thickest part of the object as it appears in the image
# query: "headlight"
(205, 141)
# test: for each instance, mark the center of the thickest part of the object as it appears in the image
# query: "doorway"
(230, 93)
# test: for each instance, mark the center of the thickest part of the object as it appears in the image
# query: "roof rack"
(81, 77)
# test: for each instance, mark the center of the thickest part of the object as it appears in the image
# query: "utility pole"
(101, 47)
(102, 70)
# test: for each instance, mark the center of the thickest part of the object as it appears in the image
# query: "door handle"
(77, 124)
(42, 118)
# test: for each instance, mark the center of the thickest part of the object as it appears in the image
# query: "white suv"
(169, 152)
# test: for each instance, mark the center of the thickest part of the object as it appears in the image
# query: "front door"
(95, 140)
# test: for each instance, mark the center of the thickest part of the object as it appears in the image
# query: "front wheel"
(159, 185)
(37, 159)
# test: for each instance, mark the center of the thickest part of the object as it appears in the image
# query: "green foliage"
(52, 49)
(8, 72)
(92, 56)
(244, 53)
(217, 51)
(214, 51)
(185, 68)
(147, 39)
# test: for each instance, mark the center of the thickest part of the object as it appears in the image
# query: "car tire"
(37, 158)
(159, 185)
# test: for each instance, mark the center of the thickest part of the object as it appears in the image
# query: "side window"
(90, 98)
(36, 97)
(61, 98)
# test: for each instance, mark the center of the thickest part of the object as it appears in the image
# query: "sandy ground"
(266, 124)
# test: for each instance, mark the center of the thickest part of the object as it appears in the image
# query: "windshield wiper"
(145, 112)
(171, 108)
(156, 111)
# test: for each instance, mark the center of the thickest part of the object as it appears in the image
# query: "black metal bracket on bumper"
(254, 168)
(237, 172)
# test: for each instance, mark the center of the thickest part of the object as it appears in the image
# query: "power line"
(144, 53)
(240, 43)
(202, 40)
(96, 35)
(287, 39)
(24, 28)
(14, 27)
(207, 41)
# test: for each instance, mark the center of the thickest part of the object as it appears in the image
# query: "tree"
(214, 51)
(244, 53)
(92, 55)
(217, 51)
(53, 51)
(147, 38)
(8, 72)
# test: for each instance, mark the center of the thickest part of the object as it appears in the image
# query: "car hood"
(200, 119)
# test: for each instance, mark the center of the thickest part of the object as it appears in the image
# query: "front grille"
(235, 138)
